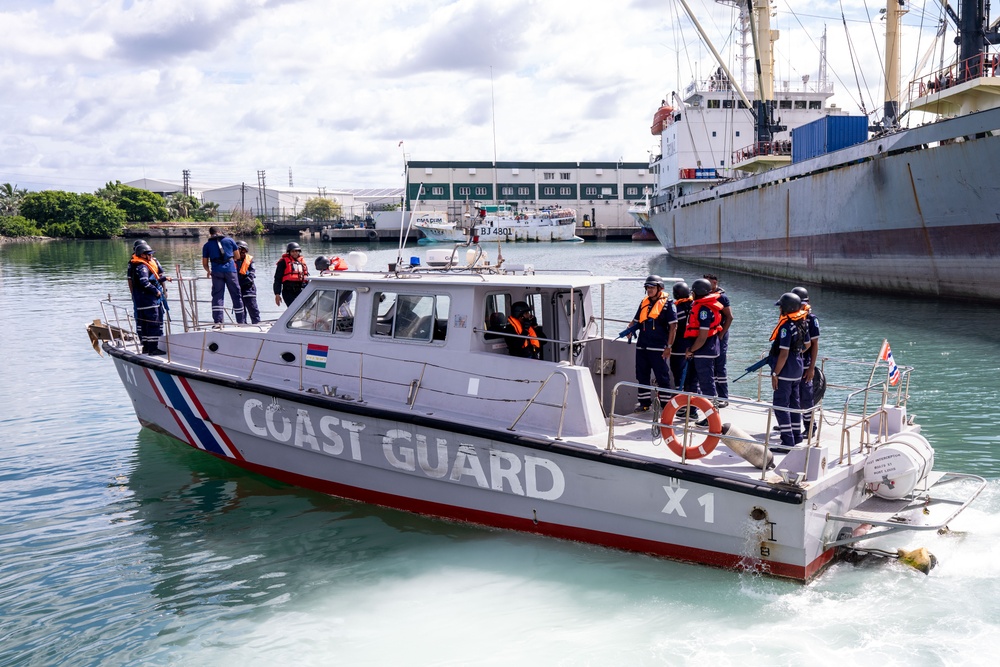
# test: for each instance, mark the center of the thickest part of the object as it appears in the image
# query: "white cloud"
(97, 90)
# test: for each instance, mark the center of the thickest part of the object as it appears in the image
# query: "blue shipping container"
(828, 134)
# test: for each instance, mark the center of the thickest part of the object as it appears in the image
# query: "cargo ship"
(789, 186)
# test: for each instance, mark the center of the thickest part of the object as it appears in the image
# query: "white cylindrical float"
(895, 468)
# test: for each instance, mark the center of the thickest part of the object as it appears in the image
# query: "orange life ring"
(695, 450)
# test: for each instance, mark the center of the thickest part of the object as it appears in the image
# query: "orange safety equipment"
(711, 301)
(295, 270)
(245, 264)
(519, 330)
(693, 450)
(651, 309)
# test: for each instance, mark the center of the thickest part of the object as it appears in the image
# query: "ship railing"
(116, 325)
(781, 147)
(190, 304)
(981, 65)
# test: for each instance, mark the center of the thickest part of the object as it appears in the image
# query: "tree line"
(103, 214)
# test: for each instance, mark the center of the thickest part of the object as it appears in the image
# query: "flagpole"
(871, 378)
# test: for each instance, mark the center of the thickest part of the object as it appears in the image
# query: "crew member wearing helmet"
(522, 322)
(809, 357)
(217, 260)
(247, 274)
(678, 362)
(703, 327)
(720, 374)
(790, 340)
(146, 294)
(161, 275)
(657, 327)
(290, 275)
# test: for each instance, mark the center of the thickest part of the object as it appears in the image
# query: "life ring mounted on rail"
(694, 450)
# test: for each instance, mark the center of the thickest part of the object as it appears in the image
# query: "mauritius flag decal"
(316, 355)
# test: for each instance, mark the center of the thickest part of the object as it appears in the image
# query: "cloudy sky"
(99, 90)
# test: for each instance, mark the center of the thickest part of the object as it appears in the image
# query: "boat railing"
(121, 328)
(781, 147)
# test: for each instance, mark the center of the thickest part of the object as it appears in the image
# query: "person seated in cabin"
(496, 325)
(522, 322)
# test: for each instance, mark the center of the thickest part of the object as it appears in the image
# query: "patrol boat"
(395, 387)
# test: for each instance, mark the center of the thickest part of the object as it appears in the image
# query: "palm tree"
(10, 199)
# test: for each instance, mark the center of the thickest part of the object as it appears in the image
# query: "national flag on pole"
(885, 354)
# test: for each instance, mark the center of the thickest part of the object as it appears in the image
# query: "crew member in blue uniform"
(809, 358)
(657, 328)
(146, 291)
(678, 361)
(790, 340)
(217, 260)
(719, 372)
(703, 327)
(247, 275)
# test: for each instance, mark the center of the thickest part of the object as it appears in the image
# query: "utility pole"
(290, 178)
(187, 182)
(262, 191)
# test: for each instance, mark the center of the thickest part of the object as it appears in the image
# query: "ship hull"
(914, 213)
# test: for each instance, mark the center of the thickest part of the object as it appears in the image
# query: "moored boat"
(901, 210)
(397, 388)
(500, 222)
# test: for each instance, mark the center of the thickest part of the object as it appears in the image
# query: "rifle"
(629, 331)
(753, 368)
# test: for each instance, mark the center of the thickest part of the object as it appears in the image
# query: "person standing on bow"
(217, 260)
(656, 326)
(704, 326)
(680, 365)
(809, 357)
(247, 275)
(790, 340)
(144, 283)
(522, 322)
(291, 275)
(720, 374)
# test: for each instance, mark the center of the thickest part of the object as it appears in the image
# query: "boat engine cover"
(895, 468)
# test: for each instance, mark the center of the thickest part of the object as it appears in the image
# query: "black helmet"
(802, 293)
(681, 290)
(519, 308)
(322, 263)
(242, 245)
(789, 302)
(137, 242)
(141, 248)
(292, 246)
(653, 281)
(701, 288)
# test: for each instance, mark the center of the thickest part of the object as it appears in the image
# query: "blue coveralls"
(704, 357)
(681, 345)
(654, 334)
(219, 251)
(806, 386)
(789, 378)
(248, 290)
(146, 293)
(720, 375)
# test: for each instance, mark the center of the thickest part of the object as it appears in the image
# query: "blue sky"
(99, 90)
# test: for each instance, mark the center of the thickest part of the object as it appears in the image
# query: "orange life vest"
(519, 330)
(794, 317)
(245, 264)
(652, 310)
(295, 270)
(154, 271)
(693, 326)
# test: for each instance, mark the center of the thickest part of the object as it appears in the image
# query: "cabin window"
(415, 317)
(326, 311)
(741, 104)
(800, 104)
(784, 104)
(815, 104)
(737, 133)
(713, 133)
(713, 104)
(727, 104)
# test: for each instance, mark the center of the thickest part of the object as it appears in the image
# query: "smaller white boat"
(499, 222)
(640, 213)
